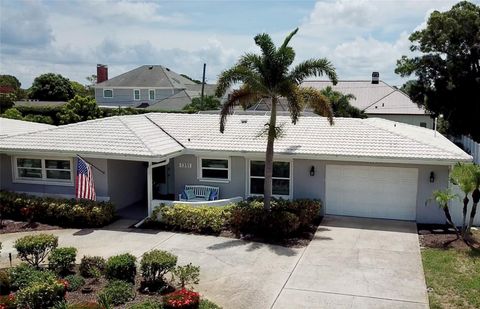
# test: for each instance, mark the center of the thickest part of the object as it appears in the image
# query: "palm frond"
(264, 41)
(442, 197)
(295, 100)
(288, 38)
(317, 101)
(242, 96)
(463, 175)
(237, 74)
(313, 67)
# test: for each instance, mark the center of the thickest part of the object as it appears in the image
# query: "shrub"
(62, 212)
(118, 292)
(92, 266)
(41, 294)
(155, 264)
(75, 282)
(8, 301)
(206, 304)
(148, 304)
(33, 249)
(183, 299)
(5, 282)
(187, 274)
(62, 260)
(24, 274)
(200, 219)
(121, 267)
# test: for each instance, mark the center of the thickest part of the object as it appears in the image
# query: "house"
(11, 127)
(374, 97)
(357, 167)
(145, 86)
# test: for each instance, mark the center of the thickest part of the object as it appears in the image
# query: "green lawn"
(453, 276)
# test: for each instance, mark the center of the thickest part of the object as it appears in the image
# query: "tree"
(448, 67)
(442, 198)
(209, 103)
(10, 81)
(341, 104)
(51, 87)
(268, 75)
(79, 109)
(7, 100)
(462, 176)
(12, 113)
(475, 195)
(79, 89)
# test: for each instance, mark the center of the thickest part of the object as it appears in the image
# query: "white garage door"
(375, 192)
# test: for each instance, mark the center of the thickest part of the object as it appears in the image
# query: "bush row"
(62, 212)
(284, 219)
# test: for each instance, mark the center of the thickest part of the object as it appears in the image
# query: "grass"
(453, 277)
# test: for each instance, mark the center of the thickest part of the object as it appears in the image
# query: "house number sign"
(184, 165)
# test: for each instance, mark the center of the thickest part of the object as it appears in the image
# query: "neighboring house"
(357, 167)
(376, 98)
(146, 86)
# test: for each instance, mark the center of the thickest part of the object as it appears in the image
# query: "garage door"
(374, 192)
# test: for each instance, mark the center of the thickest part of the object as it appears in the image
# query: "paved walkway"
(351, 263)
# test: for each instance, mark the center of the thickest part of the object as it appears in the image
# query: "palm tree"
(268, 76)
(461, 175)
(442, 198)
(341, 104)
(475, 196)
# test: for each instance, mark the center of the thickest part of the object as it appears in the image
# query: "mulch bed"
(11, 226)
(442, 237)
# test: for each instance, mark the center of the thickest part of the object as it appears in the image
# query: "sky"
(70, 37)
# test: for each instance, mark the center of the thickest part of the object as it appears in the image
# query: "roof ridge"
(163, 130)
(378, 100)
(134, 133)
(368, 122)
(164, 69)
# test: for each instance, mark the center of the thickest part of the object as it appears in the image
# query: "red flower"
(183, 299)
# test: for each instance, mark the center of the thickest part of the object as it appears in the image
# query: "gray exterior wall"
(409, 119)
(7, 182)
(124, 96)
(127, 182)
(189, 176)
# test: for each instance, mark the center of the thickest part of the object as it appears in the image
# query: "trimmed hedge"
(285, 218)
(121, 267)
(62, 212)
(199, 219)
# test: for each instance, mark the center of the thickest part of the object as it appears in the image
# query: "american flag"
(85, 185)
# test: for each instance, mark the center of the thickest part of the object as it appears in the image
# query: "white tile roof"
(378, 98)
(9, 127)
(160, 134)
(132, 136)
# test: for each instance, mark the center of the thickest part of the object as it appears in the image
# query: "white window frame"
(44, 180)
(103, 91)
(200, 168)
(139, 94)
(149, 92)
(290, 179)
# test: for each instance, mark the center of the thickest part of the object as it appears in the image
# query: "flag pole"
(91, 164)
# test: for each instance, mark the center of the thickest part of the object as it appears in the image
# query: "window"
(43, 170)
(214, 169)
(423, 124)
(280, 178)
(136, 94)
(151, 94)
(107, 93)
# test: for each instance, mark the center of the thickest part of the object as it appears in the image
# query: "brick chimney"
(375, 77)
(102, 73)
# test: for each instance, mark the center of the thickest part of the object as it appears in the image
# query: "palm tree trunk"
(465, 207)
(450, 221)
(267, 189)
(473, 212)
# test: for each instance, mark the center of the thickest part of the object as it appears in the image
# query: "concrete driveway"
(351, 263)
(358, 263)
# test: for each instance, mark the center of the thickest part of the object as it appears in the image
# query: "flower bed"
(62, 212)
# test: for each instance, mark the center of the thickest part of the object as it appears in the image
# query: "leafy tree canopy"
(7, 100)
(79, 89)
(10, 80)
(448, 68)
(209, 103)
(79, 109)
(51, 87)
(341, 104)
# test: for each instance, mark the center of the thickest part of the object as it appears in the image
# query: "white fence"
(472, 148)
(456, 207)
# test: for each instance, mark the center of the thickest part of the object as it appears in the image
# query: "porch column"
(149, 188)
